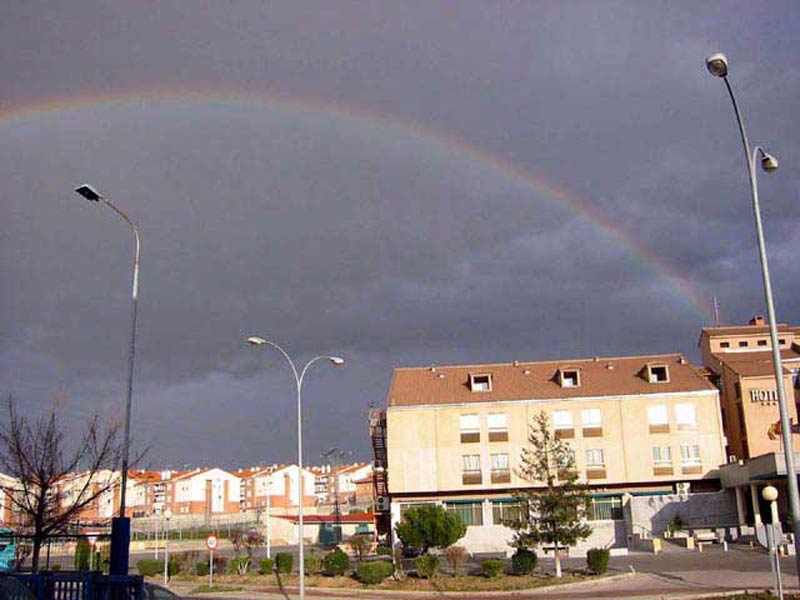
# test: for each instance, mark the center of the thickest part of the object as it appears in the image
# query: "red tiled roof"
(345, 519)
(599, 377)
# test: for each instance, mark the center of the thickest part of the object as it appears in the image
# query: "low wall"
(648, 516)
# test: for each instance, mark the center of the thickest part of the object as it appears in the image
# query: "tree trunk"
(558, 561)
(37, 547)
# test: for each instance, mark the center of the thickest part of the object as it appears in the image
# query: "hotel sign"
(763, 395)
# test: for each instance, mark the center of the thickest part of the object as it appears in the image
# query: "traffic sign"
(212, 542)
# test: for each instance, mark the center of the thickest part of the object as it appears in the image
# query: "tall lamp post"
(121, 525)
(298, 379)
(717, 65)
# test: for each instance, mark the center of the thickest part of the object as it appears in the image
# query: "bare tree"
(53, 480)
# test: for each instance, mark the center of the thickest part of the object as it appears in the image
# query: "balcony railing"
(501, 476)
(471, 477)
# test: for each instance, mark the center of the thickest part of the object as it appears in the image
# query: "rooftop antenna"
(716, 311)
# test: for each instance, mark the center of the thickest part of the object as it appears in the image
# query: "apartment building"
(277, 485)
(637, 425)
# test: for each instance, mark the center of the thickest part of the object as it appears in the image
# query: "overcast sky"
(398, 183)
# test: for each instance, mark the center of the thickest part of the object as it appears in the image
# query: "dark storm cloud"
(345, 235)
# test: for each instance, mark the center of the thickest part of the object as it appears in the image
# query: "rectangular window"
(500, 471)
(762, 342)
(508, 512)
(658, 374)
(570, 378)
(470, 428)
(690, 454)
(406, 505)
(662, 455)
(608, 508)
(498, 427)
(595, 458)
(781, 342)
(591, 421)
(480, 383)
(471, 513)
(724, 344)
(657, 418)
(471, 469)
(685, 416)
(743, 344)
(562, 424)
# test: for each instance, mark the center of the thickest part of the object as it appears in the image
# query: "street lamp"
(717, 65)
(770, 494)
(298, 379)
(167, 515)
(120, 526)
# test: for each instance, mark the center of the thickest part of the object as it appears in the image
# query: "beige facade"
(740, 363)
(635, 424)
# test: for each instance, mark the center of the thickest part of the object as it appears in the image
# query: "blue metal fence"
(82, 585)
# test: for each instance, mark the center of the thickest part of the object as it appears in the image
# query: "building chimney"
(757, 320)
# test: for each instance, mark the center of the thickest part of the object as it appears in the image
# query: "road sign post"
(211, 543)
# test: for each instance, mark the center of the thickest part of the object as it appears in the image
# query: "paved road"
(672, 575)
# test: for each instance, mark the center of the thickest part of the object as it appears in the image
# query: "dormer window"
(569, 377)
(480, 383)
(657, 374)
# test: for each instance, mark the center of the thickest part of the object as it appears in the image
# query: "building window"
(498, 427)
(724, 344)
(471, 469)
(657, 374)
(562, 424)
(685, 416)
(471, 513)
(662, 460)
(595, 458)
(500, 471)
(595, 464)
(470, 428)
(480, 383)
(607, 508)
(657, 418)
(662, 455)
(762, 342)
(406, 505)
(507, 512)
(591, 421)
(781, 342)
(569, 377)
(743, 344)
(690, 454)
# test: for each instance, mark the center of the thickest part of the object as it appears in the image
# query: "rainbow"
(27, 112)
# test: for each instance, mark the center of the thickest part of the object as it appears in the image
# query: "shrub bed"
(492, 568)
(284, 562)
(149, 567)
(266, 566)
(523, 562)
(427, 565)
(597, 560)
(335, 563)
(371, 573)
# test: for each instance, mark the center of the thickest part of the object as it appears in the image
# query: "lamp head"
(769, 493)
(717, 64)
(337, 360)
(256, 341)
(88, 192)
(768, 162)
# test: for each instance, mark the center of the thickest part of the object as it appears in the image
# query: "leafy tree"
(247, 541)
(456, 556)
(430, 526)
(554, 509)
(361, 543)
(47, 491)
